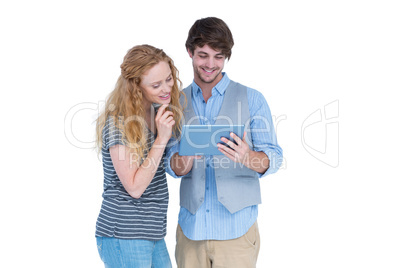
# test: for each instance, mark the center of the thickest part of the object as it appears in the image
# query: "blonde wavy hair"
(125, 103)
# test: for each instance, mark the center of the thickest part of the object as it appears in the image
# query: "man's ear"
(189, 53)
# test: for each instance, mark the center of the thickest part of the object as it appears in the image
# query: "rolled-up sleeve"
(262, 130)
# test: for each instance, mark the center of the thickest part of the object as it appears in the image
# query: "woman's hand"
(164, 124)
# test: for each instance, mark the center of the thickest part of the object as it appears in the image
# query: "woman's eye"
(169, 79)
(155, 86)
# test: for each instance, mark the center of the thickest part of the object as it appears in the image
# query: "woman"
(132, 136)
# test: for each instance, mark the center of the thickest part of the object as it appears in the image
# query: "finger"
(236, 138)
(161, 110)
(163, 116)
(166, 115)
(168, 121)
(223, 150)
(229, 143)
(226, 149)
(233, 154)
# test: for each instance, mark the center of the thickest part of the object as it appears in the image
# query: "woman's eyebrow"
(156, 82)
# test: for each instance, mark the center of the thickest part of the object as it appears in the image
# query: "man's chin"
(209, 79)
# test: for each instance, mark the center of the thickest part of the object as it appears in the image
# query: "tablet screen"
(203, 139)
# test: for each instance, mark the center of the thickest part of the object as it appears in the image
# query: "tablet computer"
(203, 139)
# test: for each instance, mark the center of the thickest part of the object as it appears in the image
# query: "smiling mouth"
(208, 71)
(165, 96)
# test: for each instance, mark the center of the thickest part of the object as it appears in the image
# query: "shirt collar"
(220, 87)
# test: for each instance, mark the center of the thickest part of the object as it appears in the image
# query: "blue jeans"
(119, 253)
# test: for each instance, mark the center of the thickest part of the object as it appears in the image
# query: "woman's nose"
(166, 88)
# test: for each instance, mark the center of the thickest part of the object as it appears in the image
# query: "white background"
(60, 59)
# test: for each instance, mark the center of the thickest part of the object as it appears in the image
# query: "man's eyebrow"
(205, 53)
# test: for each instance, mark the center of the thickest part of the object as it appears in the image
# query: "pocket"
(252, 236)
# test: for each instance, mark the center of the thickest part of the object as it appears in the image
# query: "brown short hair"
(213, 32)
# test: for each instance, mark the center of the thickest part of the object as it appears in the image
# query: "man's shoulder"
(255, 98)
(250, 90)
(187, 88)
(252, 93)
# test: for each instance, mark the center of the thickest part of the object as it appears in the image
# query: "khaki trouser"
(241, 252)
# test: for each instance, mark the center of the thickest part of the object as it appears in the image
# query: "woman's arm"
(135, 177)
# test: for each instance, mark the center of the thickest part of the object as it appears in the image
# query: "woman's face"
(156, 84)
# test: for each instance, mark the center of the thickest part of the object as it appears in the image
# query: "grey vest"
(237, 186)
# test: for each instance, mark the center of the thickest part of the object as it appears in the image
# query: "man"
(219, 195)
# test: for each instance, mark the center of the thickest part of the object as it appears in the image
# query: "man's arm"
(241, 153)
(177, 165)
(182, 164)
(266, 155)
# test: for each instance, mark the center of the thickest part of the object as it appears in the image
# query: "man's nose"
(210, 62)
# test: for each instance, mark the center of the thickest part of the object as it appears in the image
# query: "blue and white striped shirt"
(212, 220)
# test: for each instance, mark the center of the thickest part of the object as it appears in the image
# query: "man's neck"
(206, 88)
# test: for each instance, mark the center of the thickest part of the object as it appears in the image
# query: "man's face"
(208, 65)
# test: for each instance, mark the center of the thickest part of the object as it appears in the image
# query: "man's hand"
(238, 153)
(241, 153)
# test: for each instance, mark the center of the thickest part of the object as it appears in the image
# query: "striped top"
(122, 216)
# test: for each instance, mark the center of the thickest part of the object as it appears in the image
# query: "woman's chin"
(164, 102)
